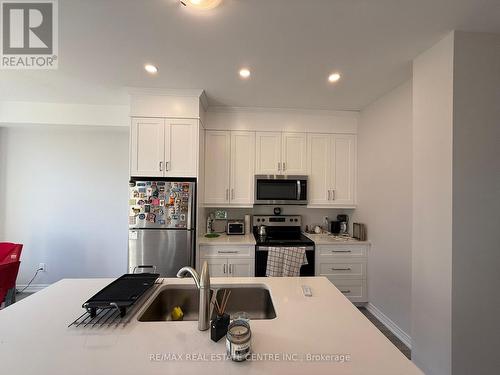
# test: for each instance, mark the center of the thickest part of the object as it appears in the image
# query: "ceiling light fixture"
(201, 4)
(244, 73)
(151, 69)
(334, 77)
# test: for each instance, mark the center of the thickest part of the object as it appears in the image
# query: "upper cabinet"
(229, 168)
(281, 153)
(163, 147)
(332, 170)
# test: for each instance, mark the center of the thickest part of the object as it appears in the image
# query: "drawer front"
(344, 268)
(226, 251)
(343, 250)
(354, 290)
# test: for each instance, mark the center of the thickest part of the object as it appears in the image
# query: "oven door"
(281, 190)
(261, 262)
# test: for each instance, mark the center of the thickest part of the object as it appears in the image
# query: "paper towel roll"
(247, 224)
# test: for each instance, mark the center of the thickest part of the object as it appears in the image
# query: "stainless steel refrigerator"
(161, 225)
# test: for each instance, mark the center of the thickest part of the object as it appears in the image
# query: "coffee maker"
(344, 225)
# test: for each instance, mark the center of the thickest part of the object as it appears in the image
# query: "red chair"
(10, 252)
(8, 275)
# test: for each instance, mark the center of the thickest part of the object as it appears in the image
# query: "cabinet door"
(181, 147)
(267, 153)
(319, 162)
(217, 266)
(343, 176)
(242, 168)
(241, 267)
(217, 156)
(147, 147)
(294, 155)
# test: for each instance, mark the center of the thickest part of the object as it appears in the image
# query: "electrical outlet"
(42, 267)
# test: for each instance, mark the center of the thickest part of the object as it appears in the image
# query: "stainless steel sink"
(254, 300)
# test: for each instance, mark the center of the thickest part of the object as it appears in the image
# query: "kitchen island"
(322, 334)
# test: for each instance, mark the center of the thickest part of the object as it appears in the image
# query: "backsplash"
(310, 216)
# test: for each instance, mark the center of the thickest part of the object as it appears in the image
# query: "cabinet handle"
(166, 166)
(224, 268)
(279, 166)
(346, 291)
(230, 268)
(227, 251)
(329, 191)
(341, 251)
(341, 269)
(232, 193)
(333, 194)
(161, 166)
(284, 166)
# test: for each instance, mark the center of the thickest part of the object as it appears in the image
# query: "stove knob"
(263, 220)
(291, 219)
(258, 220)
(296, 220)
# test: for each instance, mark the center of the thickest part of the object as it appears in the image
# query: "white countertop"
(35, 339)
(224, 239)
(330, 239)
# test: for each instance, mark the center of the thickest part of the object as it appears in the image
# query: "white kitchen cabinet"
(346, 268)
(318, 169)
(181, 147)
(228, 260)
(332, 170)
(217, 167)
(293, 154)
(229, 168)
(242, 168)
(162, 147)
(281, 153)
(147, 147)
(241, 267)
(217, 267)
(268, 153)
(343, 176)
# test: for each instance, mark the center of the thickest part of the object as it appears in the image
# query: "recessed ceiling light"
(151, 69)
(334, 77)
(201, 4)
(244, 73)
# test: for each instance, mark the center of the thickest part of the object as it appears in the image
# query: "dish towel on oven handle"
(285, 261)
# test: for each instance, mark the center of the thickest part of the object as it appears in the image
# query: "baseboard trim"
(391, 326)
(33, 288)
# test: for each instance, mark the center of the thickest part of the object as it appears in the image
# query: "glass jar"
(238, 340)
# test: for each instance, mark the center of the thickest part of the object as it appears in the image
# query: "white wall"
(63, 194)
(476, 204)
(432, 208)
(385, 201)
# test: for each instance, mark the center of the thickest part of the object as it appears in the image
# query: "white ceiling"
(290, 46)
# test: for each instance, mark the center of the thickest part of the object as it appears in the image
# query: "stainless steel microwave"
(278, 189)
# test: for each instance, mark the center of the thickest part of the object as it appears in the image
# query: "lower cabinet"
(345, 266)
(228, 261)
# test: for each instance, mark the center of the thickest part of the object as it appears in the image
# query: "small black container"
(218, 327)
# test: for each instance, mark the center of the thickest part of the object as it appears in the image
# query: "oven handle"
(266, 248)
(298, 190)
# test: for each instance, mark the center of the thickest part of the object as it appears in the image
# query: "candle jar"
(218, 327)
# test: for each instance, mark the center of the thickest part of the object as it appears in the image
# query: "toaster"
(235, 227)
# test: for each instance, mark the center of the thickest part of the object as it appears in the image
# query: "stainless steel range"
(280, 231)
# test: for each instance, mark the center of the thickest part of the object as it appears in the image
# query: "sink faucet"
(203, 284)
